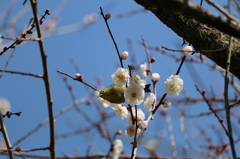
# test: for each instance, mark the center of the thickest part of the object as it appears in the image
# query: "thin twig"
(135, 142)
(25, 150)
(147, 54)
(171, 135)
(21, 73)
(86, 129)
(185, 135)
(109, 31)
(215, 50)
(78, 109)
(227, 108)
(180, 66)
(23, 35)
(78, 80)
(212, 66)
(150, 117)
(5, 136)
(46, 82)
(96, 156)
(62, 111)
(213, 110)
(15, 39)
(111, 145)
(5, 67)
(219, 8)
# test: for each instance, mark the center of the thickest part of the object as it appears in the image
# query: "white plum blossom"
(167, 104)
(140, 116)
(104, 103)
(4, 105)
(88, 19)
(130, 131)
(142, 124)
(97, 93)
(187, 50)
(137, 81)
(152, 144)
(124, 55)
(120, 77)
(148, 103)
(174, 84)
(51, 24)
(117, 148)
(134, 95)
(144, 69)
(120, 110)
(155, 77)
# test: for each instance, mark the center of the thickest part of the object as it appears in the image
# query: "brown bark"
(201, 28)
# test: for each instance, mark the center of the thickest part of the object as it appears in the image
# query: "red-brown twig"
(213, 110)
(78, 80)
(21, 73)
(18, 41)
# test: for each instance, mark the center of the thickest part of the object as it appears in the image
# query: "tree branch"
(203, 29)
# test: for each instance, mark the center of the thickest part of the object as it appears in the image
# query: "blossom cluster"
(130, 87)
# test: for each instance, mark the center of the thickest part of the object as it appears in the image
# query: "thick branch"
(46, 81)
(201, 32)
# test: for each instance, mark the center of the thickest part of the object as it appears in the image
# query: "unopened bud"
(47, 11)
(167, 104)
(124, 55)
(18, 149)
(119, 132)
(187, 50)
(78, 76)
(152, 60)
(5, 48)
(155, 77)
(107, 16)
(131, 67)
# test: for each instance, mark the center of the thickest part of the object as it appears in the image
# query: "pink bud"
(187, 50)
(78, 76)
(152, 60)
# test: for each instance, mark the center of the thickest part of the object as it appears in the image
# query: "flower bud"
(187, 50)
(142, 124)
(155, 77)
(119, 132)
(167, 104)
(4, 106)
(131, 67)
(152, 60)
(78, 76)
(107, 16)
(130, 131)
(18, 149)
(124, 55)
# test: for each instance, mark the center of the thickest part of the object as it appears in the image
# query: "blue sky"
(93, 51)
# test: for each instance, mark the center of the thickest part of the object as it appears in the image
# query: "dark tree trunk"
(199, 27)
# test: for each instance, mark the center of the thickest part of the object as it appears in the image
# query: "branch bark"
(200, 27)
